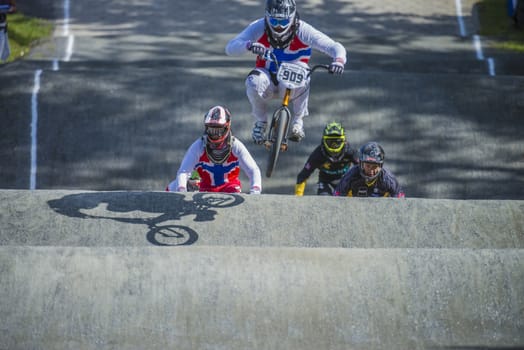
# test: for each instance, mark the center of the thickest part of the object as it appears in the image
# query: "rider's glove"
(336, 67)
(257, 48)
(178, 189)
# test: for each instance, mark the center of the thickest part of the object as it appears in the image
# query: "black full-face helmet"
(373, 153)
(281, 18)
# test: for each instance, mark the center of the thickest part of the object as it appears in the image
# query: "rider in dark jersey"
(332, 158)
(369, 178)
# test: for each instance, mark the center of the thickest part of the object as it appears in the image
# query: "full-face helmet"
(333, 139)
(217, 122)
(371, 156)
(281, 16)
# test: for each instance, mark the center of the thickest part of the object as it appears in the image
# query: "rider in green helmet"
(333, 157)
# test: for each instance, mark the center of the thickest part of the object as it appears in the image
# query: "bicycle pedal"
(294, 138)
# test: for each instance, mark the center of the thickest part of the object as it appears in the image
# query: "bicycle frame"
(276, 140)
(277, 134)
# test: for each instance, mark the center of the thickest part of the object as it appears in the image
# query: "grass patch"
(25, 32)
(496, 24)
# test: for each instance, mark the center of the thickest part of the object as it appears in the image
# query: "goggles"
(216, 131)
(275, 22)
(333, 143)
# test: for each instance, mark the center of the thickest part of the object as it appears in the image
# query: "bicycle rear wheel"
(277, 132)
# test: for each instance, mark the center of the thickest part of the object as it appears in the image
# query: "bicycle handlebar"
(270, 56)
(315, 67)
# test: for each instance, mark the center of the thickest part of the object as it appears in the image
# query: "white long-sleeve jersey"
(306, 34)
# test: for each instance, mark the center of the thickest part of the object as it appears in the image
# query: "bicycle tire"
(172, 235)
(278, 131)
(216, 200)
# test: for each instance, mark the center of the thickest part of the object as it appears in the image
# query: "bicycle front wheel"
(277, 133)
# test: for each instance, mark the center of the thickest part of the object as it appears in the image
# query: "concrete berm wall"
(154, 270)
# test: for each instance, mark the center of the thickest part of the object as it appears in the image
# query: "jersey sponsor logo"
(362, 192)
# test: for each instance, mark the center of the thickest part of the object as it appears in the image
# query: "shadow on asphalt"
(137, 207)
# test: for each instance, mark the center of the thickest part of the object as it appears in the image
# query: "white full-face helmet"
(281, 16)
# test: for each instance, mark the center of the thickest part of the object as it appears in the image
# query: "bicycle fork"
(278, 115)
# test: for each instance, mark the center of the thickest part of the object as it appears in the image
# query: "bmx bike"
(292, 76)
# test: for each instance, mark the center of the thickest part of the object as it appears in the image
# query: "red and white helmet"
(217, 122)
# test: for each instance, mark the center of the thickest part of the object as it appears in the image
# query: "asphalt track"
(98, 257)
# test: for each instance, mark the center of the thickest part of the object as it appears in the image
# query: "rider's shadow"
(147, 208)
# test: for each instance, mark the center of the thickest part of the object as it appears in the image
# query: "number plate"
(292, 75)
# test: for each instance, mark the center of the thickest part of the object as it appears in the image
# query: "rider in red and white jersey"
(291, 40)
(218, 157)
